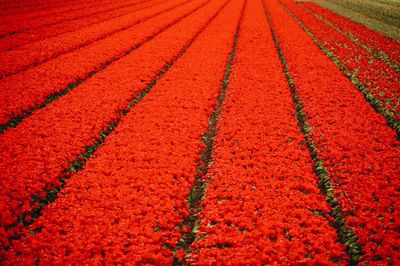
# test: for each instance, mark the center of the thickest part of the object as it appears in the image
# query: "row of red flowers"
(40, 149)
(25, 90)
(359, 150)
(125, 205)
(18, 19)
(29, 6)
(380, 79)
(22, 7)
(375, 41)
(263, 197)
(8, 7)
(84, 18)
(38, 52)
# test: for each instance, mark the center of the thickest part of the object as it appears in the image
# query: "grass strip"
(373, 10)
(376, 25)
(379, 54)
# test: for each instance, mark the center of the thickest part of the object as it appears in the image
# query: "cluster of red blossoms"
(36, 153)
(192, 132)
(67, 20)
(23, 57)
(133, 192)
(255, 203)
(379, 76)
(360, 152)
(19, 18)
(29, 88)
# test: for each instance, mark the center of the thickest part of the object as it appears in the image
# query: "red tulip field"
(196, 132)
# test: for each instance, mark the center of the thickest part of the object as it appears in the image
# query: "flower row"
(33, 54)
(26, 90)
(375, 75)
(41, 32)
(34, 155)
(353, 142)
(262, 197)
(124, 206)
(21, 18)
